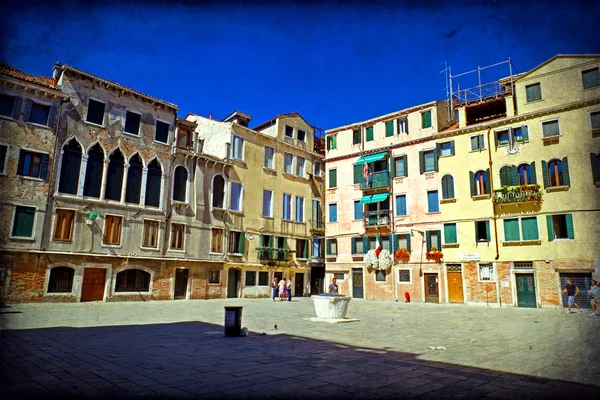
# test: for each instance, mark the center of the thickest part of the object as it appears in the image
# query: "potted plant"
(402, 254)
(434, 254)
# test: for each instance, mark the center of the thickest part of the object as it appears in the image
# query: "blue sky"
(333, 62)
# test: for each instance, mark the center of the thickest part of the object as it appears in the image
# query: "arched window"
(133, 280)
(524, 174)
(481, 183)
(447, 187)
(114, 176)
(180, 183)
(153, 184)
(555, 173)
(134, 180)
(507, 177)
(94, 171)
(70, 166)
(218, 192)
(61, 280)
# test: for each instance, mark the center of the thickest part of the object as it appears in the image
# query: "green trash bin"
(233, 320)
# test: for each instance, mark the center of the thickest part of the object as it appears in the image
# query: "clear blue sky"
(333, 62)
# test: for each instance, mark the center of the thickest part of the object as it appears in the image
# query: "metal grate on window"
(133, 280)
(61, 280)
(454, 267)
(523, 265)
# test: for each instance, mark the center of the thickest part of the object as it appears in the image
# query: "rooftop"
(12, 72)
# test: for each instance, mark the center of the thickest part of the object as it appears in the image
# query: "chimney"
(210, 115)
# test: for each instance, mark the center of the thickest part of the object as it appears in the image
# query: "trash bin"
(233, 320)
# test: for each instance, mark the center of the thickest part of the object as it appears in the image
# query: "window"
(479, 183)
(426, 119)
(356, 136)
(595, 162)
(237, 150)
(380, 275)
(289, 131)
(267, 204)
(477, 142)
(95, 112)
(333, 213)
(332, 183)
(523, 265)
(560, 226)
(301, 135)
(70, 166)
(3, 159)
(358, 245)
(288, 162)
(180, 178)
(134, 180)
(502, 138)
(332, 142)
(317, 253)
(486, 272)
(403, 241)
(389, 128)
(369, 134)
(94, 172)
(299, 209)
(63, 225)
(591, 78)
(515, 228)
(595, 120)
(300, 167)
(450, 234)
(403, 126)
(133, 280)
(235, 204)
(38, 113)
(251, 276)
(61, 280)
(132, 123)
(482, 231)
(339, 277)
(150, 234)
(533, 92)
(446, 148)
(218, 192)
(556, 173)
(433, 204)
(184, 139)
(550, 129)
(112, 230)
(331, 247)
(153, 184)
(404, 276)
(401, 166)
(317, 168)
(401, 205)
(287, 207)
(216, 243)
(23, 222)
(508, 175)
(433, 239)
(428, 161)
(447, 187)
(34, 165)
(214, 277)
(237, 241)
(358, 210)
(302, 249)
(269, 155)
(114, 176)
(520, 134)
(162, 132)
(10, 106)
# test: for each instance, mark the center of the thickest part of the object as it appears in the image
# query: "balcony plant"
(384, 261)
(402, 254)
(434, 254)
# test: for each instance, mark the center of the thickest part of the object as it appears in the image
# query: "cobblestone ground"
(176, 349)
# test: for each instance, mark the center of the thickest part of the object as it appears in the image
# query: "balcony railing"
(517, 194)
(317, 223)
(377, 218)
(273, 254)
(375, 180)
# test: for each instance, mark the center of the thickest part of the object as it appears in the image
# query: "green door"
(233, 278)
(525, 291)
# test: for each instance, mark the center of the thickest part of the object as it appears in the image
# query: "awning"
(371, 158)
(375, 198)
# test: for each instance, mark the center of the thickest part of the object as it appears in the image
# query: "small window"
(216, 243)
(302, 249)
(450, 234)
(61, 280)
(299, 209)
(214, 277)
(433, 204)
(358, 245)
(339, 277)
(218, 192)
(401, 205)
(403, 126)
(369, 134)
(333, 213)
(288, 162)
(7, 104)
(3, 159)
(301, 135)
(486, 272)
(595, 120)
(401, 166)
(112, 230)
(180, 178)
(331, 245)
(177, 236)
(482, 231)
(477, 142)
(404, 276)
(560, 226)
(95, 113)
(524, 174)
(289, 131)
(481, 183)
(263, 278)
(389, 128)
(358, 210)
(533, 92)
(267, 207)
(317, 168)
(520, 265)
(250, 278)
(591, 78)
(39, 114)
(447, 148)
(317, 250)
(550, 129)
(300, 171)
(520, 134)
(132, 123)
(426, 119)
(162, 132)
(23, 222)
(235, 203)
(332, 142)
(433, 240)
(269, 155)
(429, 157)
(133, 280)
(502, 138)
(447, 187)
(32, 164)
(356, 136)
(380, 275)
(332, 182)
(63, 225)
(555, 173)
(184, 139)
(236, 242)
(237, 150)
(150, 234)
(287, 207)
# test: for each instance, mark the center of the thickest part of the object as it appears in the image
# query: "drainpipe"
(494, 217)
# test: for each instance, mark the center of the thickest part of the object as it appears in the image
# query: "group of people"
(572, 291)
(282, 289)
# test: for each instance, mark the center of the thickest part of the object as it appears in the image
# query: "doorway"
(431, 288)
(299, 285)
(455, 288)
(583, 282)
(357, 283)
(181, 283)
(317, 280)
(525, 290)
(233, 280)
(93, 284)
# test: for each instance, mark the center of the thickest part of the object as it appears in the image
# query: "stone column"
(82, 170)
(143, 188)
(58, 171)
(163, 181)
(104, 173)
(124, 187)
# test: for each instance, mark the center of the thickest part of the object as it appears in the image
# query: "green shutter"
(565, 172)
(436, 154)
(428, 240)
(23, 223)
(369, 134)
(328, 142)
(332, 178)
(487, 231)
(334, 142)
(260, 240)
(405, 160)
(474, 145)
(532, 174)
(389, 128)
(357, 173)
(530, 228)
(353, 245)
(306, 248)
(550, 228)
(488, 183)
(511, 230)
(514, 178)
(271, 241)
(408, 242)
(477, 237)
(472, 184)
(545, 174)
(505, 176)
(395, 242)
(242, 243)
(595, 167)
(328, 246)
(525, 133)
(449, 233)
(421, 162)
(452, 151)
(569, 223)
(392, 167)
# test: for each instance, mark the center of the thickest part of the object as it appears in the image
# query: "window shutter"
(505, 176)
(565, 171)
(452, 147)
(28, 105)
(532, 174)
(44, 167)
(353, 245)
(421, 162)
(260, 240)
(550, 228)
(242, 243)
(487, 231)
(569, 223)
(474, 145)
(389, 128)
(394, 242)
(22, 154)
(399, 124)
(357, 173)
(514, 178)
(477, 237)
(445, 194)
(392, 167)
(305, 248)
(525, 133)
(428, 240)
(328, 246)
(271, 240)
(449, 233)
(439, 238)
(472, 184)
(284, 242)
(436, 154)
(408, 242)
(488, 183)
(16, 111)
(334, 142)
(451, 187)
(545, 174)
(595, 167)
(51, 115)
(329, 143)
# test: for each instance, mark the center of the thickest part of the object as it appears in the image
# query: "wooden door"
(299, 285)
(455, 290)
(525, 291)
(431, 288)
(181, 283)
(357, 283)
(233, 278)
(93, 284)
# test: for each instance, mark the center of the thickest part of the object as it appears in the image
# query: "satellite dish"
(250, 236)
(361, 231)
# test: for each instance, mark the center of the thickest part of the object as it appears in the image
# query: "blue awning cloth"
(375, 198)
(371, 158)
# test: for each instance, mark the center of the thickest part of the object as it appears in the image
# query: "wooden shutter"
(369, 134)
(51, 116)
(545, 174)
(569, 223)
(357, 173)
(242, 243)
(27, 113)
(305, 248)
(449, 233)
(408, 242)
(394, 242)
(550, 228)
(405, 160)
(353, 245)
(452, 147)
(16, 111)
(565, 172)
(436, 154)
(328, 142)
(595, 167)
(334, 142)
(428, 240)
(525, 133)
(487, 231)
(532, 174)
(328, 246)
(488, 186)
(389, 128)
(472, 184)
(505, 176)
(44, 166)
(392, 162)
(421, 162)
(514, 177)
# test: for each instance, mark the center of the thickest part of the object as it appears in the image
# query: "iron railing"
(377, 218)
(375, 180)
(317, 223)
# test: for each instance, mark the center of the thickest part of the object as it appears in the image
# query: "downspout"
(494, 218)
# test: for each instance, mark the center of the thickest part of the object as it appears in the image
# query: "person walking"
(571, 291)
(289, 289)
(333, 287)
(282, 290)
(595, 294)
(275, 286)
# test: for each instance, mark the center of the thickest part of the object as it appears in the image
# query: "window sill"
(271, 170)
(488, 281)
(149, 248)
(521, 242)
(401, 216)
(130, 293)
(562, 188)
(159, 142)
(38, 125)
(597, 184)
(237, 212)
(429, 172)
(239, 161)
(137, 136)
(212, 253)
(27, 239)
(268, 217)
(478, 150)
(446, 155)
(235, 254)
(433, 212)
(214, 284)
(404, 283)
(114, 246)
(399, 178)
(61, 241)
(333, 188)
(481, 197)
(450, 245)
(562, 240)
(357, 256)
(6, 117)
(59, 294)
(30, 178)
(534, 101)
(302, 259)
(94, 124)
(179, 203)
(446, 201)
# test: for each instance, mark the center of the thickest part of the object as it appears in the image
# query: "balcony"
(517, 194)
(273, 254)
(377, 218)
(317, 227)
(375, 180)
